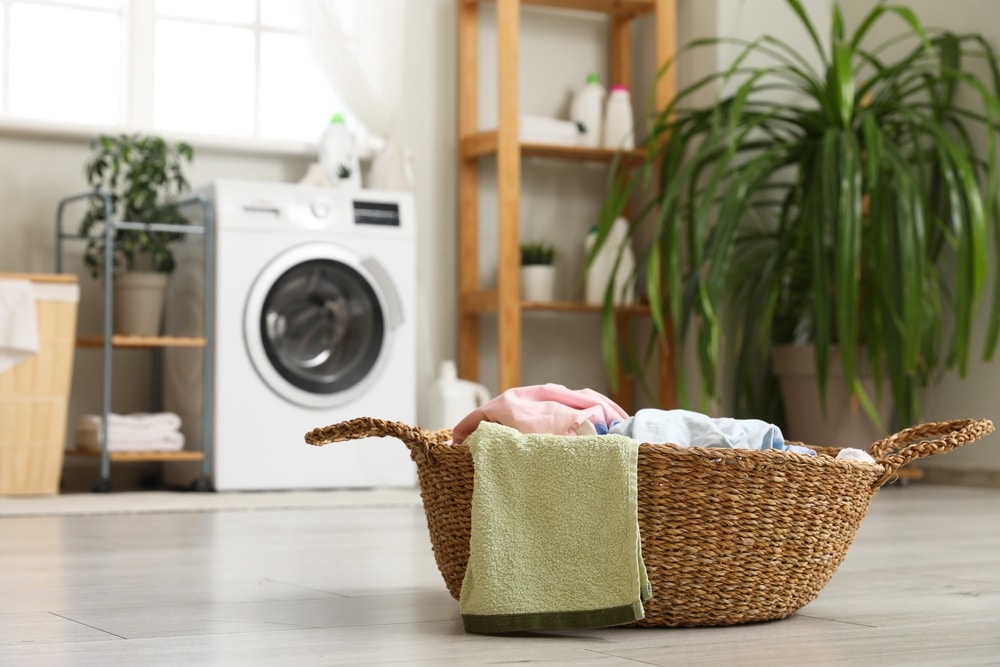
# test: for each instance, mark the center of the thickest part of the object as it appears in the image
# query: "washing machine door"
(317, 324)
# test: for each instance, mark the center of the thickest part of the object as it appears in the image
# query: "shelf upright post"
(104, 484)
(508, 196)
(468, 187)
(208, 353)
(665, 18)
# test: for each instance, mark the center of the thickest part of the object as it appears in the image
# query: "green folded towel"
(555, 533)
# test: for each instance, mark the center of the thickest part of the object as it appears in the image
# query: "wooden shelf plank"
(485, 143)
(618, 7)
(119, 340)
(182, 455)
(485, 301)
(58, 278)
(573, 307)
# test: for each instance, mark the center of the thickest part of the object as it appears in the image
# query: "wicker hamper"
(728, 536)
(34, 394)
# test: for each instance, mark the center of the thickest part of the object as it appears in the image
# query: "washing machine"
(314, 311)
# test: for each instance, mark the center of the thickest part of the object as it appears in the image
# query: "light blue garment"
(693, 429)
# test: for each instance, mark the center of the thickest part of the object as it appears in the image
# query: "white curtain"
(369, 81)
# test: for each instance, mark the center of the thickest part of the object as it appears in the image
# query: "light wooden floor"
(358, 586)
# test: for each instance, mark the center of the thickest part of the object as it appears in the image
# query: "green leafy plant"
(853, 204)
(143, 175)
(537, 253)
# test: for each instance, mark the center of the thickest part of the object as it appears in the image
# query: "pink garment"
(543, 408)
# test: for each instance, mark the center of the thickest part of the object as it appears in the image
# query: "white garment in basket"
(18, 323)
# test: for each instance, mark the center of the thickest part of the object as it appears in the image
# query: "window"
(229, 68)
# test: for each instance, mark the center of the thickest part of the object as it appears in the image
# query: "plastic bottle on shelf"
(602, 268)
(587, 109)
(619, 131)
(451, 399)
(338, 155)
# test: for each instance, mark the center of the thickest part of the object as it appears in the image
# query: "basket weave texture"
(34, 400)
(728, 536)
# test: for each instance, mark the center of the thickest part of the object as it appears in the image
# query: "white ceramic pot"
(841, 422)
(538, 283)
(138, 303)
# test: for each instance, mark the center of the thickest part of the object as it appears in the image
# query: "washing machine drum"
(318, 324)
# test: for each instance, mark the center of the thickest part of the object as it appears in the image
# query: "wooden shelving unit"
(503, 144)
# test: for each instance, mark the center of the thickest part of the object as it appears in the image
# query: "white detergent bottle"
(451, 399)
(338, 155)
(619, 131)
(603, 266)
(586, 111)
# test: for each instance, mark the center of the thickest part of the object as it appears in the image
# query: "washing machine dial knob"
(321, 207)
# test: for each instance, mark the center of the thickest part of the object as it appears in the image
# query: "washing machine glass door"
(316, 326)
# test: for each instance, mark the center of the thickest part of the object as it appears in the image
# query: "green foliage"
(537, 253)
(143, 176)
(851, 205)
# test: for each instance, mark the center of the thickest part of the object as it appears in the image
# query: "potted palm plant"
(851, 206)
(142, 176)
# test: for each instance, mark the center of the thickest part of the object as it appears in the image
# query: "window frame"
(138, 47)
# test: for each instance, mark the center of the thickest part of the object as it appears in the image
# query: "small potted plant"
(538, 274)
(143, 176)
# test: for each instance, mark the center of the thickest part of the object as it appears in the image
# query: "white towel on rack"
(135, 421)
(140, 432)
(167, 441)
(18, 323)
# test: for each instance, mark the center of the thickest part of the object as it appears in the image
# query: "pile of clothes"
(555, 541)
(136, 432)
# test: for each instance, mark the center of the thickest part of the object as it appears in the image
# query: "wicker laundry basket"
(34, 395)
(728, 536)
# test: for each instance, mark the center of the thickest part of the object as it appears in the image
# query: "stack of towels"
(137, 432)
(545, 130)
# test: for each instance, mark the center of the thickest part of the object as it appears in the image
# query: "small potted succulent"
(538, 273)
(142, 176)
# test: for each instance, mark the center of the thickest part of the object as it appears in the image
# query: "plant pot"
(538, 283)
(843, 423)
(138, 303)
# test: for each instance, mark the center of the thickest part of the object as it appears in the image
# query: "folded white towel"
(133, 421)
(139, 431)
(165, 441)
(545, 130)
(18, 323)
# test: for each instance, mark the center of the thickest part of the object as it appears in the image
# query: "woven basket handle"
(926, 440)
(366, 427)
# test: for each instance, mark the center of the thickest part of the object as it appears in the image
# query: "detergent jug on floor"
(451, 399)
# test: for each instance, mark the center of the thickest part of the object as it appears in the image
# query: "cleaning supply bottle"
(338, 155)
(586, 111)
(603, 266)
(618, 124)
(451, 399)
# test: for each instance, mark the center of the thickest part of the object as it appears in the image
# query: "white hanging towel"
(18, 323)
